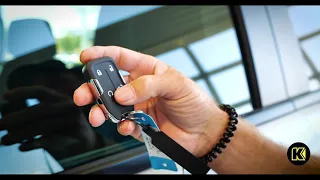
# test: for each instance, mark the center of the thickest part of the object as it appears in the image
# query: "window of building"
(307, 28)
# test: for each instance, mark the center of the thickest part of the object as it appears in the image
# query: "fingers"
(83, 96)
(127, 79)
(170, 85)
(138, 90)
(136, 133)
(96, 116)
(127, 127)
(137, 64)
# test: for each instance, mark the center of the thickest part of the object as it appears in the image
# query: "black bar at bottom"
(176, 152)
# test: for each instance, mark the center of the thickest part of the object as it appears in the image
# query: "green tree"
(69, 44)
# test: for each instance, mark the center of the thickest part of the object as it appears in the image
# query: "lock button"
(99, 72)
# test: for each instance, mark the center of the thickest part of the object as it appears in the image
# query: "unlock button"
(111, 68)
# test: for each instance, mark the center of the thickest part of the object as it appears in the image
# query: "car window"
(42, 49)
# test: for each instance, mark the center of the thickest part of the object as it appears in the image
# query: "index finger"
(137, 64)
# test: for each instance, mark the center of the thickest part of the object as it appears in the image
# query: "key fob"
(103, 77)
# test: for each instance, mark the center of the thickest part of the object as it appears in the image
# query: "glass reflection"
(39, 113)
(42, 131)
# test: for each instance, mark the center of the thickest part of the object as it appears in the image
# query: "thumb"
(168, 85)
(139, 90)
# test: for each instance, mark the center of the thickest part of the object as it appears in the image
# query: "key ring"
(129, 116)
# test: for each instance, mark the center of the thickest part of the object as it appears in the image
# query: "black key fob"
(103, 77)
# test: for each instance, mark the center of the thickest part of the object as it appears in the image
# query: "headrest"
(28, 35)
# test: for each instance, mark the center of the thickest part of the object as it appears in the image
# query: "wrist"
(213, 132)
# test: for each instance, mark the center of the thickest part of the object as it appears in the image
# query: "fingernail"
(125, 93)
(90, 113)
(124, 128)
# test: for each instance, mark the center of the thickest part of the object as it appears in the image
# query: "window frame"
(314, 70)
(248, 63)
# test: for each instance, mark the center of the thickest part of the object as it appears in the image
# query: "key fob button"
(103, 77)
(115, 76)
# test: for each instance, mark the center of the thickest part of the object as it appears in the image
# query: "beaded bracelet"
(233, 120)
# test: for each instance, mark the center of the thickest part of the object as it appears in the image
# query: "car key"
(104, 78)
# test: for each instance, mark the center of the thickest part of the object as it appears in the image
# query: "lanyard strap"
(176, 152)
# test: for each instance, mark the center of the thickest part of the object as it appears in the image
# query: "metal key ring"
(129, 116)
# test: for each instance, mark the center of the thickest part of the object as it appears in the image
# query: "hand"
(63, 127)
(179, 107)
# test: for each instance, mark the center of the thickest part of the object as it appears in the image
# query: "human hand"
(180, 108)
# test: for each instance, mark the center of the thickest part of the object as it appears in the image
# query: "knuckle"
(174, 76)
(146, 82)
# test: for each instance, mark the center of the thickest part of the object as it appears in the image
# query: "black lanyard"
(176, 152)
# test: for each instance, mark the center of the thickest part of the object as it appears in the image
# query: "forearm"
(249, 152)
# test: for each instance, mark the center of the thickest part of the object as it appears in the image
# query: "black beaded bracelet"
(233, 121)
